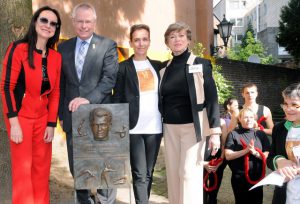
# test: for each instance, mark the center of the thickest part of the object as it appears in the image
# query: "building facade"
(116, 16)
(264, 15)
(266, 26)
(235, 11)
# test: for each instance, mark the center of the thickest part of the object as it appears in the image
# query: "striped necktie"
(80, 58)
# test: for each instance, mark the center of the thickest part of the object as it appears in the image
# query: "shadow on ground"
(61, 182)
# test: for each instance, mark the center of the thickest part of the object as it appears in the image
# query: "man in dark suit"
(89, 70)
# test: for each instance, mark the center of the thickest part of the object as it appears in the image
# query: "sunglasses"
(44, 20)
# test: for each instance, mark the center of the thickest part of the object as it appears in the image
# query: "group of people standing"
(252, 143)
(38, 84)
(177, 99)
(242, 138)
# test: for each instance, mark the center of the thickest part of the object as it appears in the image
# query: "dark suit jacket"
(127, 88)
(98, 75)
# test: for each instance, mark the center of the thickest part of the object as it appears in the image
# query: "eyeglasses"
(53, 24)
(292, 107)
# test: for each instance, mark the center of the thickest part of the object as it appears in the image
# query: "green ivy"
(224, 86)
(250, 46)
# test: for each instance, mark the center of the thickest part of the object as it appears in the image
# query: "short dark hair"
(31, 35)
(138, 27)
(100, 112)
(228, 101)
(248, 85)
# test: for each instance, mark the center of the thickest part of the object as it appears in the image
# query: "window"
(239, 37)
(244, 3)
(238, 4)
(282, 51)
(239, 22)
(232, 20)
(234, 4)
(249, 20)
(265, 9)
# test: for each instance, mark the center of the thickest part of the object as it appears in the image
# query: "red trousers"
(31, 162)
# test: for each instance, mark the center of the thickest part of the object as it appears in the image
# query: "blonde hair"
(244, 110)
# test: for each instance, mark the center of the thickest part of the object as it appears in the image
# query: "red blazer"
(21, 85)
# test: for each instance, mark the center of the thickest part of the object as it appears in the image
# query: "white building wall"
(264, 15)
(236, 10)
(273, 11)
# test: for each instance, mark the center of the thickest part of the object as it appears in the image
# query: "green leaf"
(224, 86)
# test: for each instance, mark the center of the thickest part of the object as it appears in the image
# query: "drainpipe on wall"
(257, 18)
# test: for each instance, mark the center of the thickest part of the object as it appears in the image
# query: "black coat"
(127, 87)
(203, 96)
(279, 134)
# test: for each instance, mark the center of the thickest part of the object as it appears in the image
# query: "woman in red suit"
(30, 95)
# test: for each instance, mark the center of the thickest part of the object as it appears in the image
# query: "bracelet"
(274, 161)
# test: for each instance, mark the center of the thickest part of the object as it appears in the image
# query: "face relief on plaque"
(100, 121)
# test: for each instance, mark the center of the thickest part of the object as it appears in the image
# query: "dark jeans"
(83, 195)
(279, 195)
(241, 192)
(143, 154)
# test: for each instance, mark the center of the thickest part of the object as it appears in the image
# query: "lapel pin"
(94, 46)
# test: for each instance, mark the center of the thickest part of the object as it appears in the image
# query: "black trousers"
(83, 195)
(241, 192)
(211, 197)
(144, 149)
(279, 195)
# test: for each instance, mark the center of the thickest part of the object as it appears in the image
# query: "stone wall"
(270, 80)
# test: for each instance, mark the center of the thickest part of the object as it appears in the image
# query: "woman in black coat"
(137, 84)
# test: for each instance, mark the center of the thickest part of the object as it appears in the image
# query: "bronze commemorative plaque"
(101, 146)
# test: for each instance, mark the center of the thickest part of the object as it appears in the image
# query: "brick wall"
(270, 80)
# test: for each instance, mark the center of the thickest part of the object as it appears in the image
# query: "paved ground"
(61, 182)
